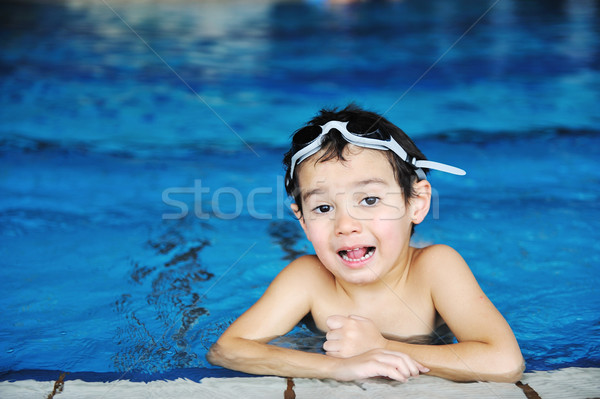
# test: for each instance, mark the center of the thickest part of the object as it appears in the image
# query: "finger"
(403, 363)
(422, 369)
(402, 368)
(415, 367)
(410, 364)
(335, 321)
(393, 373)
(333, 335)
(386, 365)
(412, 368)
(331, 346)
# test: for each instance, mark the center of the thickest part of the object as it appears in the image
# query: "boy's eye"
(370, 201)
(323, 208)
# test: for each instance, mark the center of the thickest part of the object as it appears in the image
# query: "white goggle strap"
(442, 167)
(304, 153)
(398, 150)
(360, 141)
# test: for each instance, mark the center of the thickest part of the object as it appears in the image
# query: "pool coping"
(572, 383)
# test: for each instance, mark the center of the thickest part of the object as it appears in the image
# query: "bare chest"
(394, 315)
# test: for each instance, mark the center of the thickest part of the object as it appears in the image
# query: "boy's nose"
(345, 223)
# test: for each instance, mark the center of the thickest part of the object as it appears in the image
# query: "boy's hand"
(379, 363)
(351, 336)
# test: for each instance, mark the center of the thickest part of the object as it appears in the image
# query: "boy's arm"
(487, 349)
(243, 346)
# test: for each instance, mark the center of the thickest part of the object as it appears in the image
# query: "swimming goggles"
(308, 144)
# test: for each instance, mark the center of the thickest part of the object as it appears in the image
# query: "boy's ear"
(298, 213)
(420, 202)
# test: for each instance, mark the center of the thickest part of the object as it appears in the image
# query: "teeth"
(344, 255)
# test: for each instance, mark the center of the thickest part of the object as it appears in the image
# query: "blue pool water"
(142, 205)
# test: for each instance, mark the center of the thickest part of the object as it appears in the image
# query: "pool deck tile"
(572, 383)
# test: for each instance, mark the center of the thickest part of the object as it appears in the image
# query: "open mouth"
(357, 254)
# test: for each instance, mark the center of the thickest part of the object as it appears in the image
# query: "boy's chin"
(360, 280)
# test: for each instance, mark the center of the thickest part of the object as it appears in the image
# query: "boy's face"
(355, 215)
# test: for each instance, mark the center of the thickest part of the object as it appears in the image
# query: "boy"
(359, 185)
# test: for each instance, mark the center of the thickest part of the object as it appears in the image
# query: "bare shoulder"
(307, 265)
(437, 253)
(306, 270)
(441, 264)
(438, 256)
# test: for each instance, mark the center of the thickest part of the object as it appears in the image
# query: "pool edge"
(573, 383)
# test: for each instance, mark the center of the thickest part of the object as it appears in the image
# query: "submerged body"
(369, 289)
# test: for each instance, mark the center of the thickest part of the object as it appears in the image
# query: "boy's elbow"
(217, 355)
(516, 372)
(510, 370)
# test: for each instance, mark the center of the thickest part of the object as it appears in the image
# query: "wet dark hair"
(334, 145)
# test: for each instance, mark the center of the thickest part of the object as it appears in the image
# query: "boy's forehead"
(361, 166)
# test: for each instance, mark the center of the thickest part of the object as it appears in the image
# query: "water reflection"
(159, 336)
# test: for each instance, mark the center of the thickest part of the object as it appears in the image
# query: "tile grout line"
(529, 392)
(59, 385)
(289, 392)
